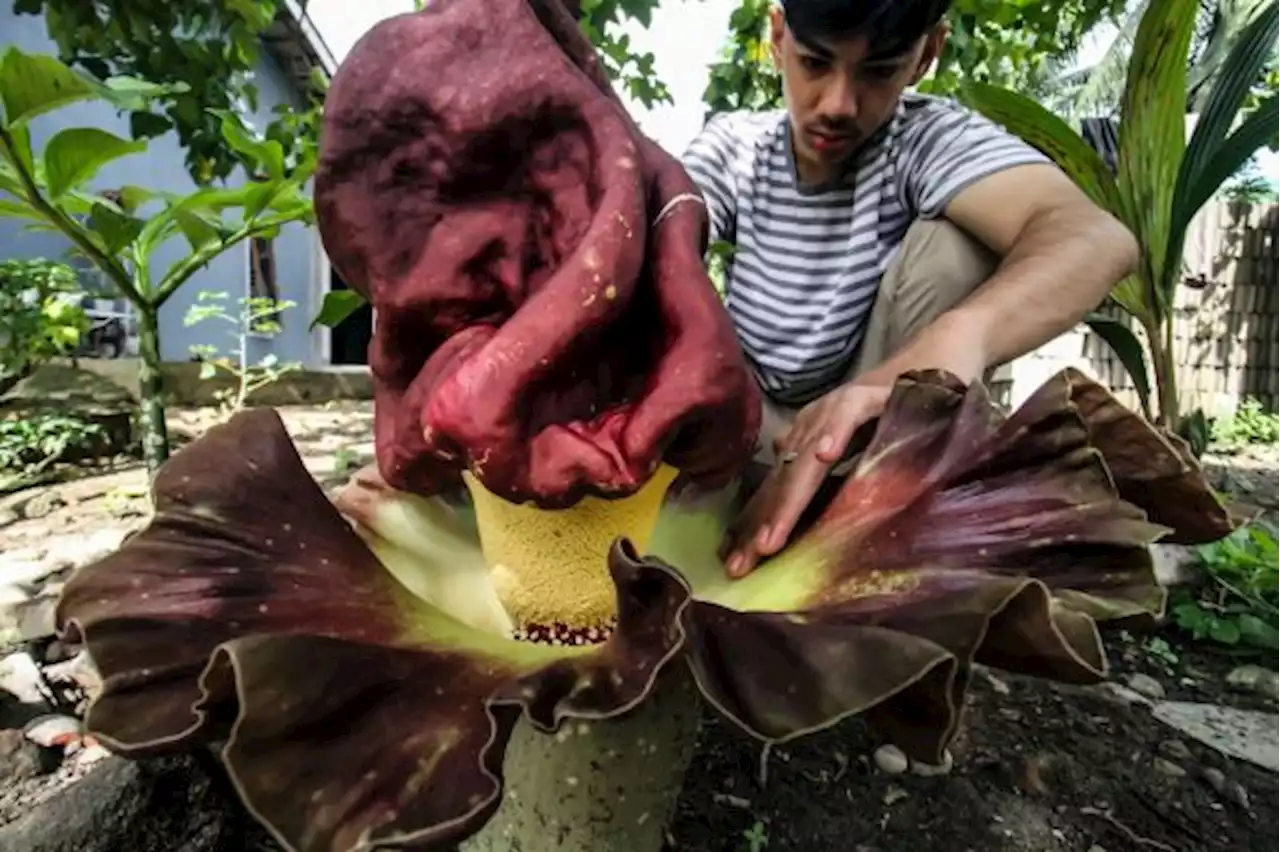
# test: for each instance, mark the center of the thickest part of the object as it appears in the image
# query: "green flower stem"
(605, 786)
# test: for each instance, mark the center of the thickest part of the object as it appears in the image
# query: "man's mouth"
(825, 142)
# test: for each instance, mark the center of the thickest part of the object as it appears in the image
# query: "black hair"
(891, 26)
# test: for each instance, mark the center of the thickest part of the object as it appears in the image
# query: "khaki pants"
(937, 266)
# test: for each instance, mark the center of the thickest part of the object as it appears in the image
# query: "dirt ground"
(1039, 767)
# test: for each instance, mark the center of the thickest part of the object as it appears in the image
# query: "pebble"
(53, 731)
(1146, 685)
(891, 760)
(1256, 679)
(1175, 750)
(1096, 848)
(1168, 768)
(1215, 779)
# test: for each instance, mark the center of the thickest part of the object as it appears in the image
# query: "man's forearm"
(1062, 264)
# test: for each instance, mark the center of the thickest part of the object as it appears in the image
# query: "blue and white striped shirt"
(808, 261)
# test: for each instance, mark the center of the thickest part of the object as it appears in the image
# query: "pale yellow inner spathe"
(551, 567)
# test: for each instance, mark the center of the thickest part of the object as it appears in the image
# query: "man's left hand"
(815, 442)
(822, 430)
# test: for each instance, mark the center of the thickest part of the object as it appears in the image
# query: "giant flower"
(502, 631)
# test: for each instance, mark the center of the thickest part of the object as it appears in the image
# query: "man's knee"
(938, 265)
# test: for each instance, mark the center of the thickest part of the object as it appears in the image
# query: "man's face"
(839, 93)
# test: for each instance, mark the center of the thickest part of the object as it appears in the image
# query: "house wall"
(161, 167)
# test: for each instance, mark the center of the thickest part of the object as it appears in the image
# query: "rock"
(1215, 778)
(20, 677)
(1096, 848)
(1146, 685)
(891, 760)
(53, 731)
(1168, 768)
(21, 759)
(1175, 564)
(1238, 795)
(1256, 679)
(1175, 750)
(1244, 734)
(169, 804)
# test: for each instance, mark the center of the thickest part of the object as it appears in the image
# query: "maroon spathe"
(544, 316)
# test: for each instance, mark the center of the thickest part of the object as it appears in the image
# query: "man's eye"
(813, 63)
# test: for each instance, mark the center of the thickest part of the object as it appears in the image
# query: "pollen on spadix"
(550, 567)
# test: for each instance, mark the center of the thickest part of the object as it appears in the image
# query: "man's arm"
(1061, 257)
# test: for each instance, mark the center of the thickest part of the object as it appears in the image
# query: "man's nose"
(839, 104)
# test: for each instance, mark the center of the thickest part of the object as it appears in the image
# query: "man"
(879, 231)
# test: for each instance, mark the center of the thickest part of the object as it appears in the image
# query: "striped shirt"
(808, 261)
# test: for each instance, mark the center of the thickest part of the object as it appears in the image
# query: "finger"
(800, 483)
(838, 431)
(739, 550)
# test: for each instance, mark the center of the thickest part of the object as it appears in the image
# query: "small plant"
(30, 445)
(40, 316)
(256, 315)
(1159, 649)
(757, 838)
(1237, 604)
(1248, 424)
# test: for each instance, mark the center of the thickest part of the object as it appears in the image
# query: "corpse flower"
(502, 635)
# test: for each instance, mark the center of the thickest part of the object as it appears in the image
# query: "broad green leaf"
(75, 155)
(1128, 349)
(1043, 130)
(33, 84)
(201, 230)
(338, 305)
(1210, 151)
(12, 209)
(267, 155)
(134, 94)
(115, 229)
(1153, 134)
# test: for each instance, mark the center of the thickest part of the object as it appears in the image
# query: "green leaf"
(1224, 631)
(1210, 156)
(1254, 133)
(202, 230)
(1153, 135)
(1043, 130)
(1128, 349)
(19, 210)
(1258, 633)
(134, 94)
(267, 155)
(33, 84)
(115, 229)
(338, 305)
(75, 155)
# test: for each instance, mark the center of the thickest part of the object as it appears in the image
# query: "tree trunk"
(155, 433)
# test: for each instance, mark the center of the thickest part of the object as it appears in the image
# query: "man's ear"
(933, 44)
(777, 28)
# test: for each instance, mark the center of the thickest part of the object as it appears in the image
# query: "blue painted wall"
(161, 167)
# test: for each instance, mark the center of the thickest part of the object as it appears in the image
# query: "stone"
(1168, 768)
(1243, 734)
(76, 551)
(21, 759)
(1256, 679)
(20, 677)
(1146, 685)
(170, 803)
(1215, 778)
(1175, 564)
(891, 760)
(53, 730)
